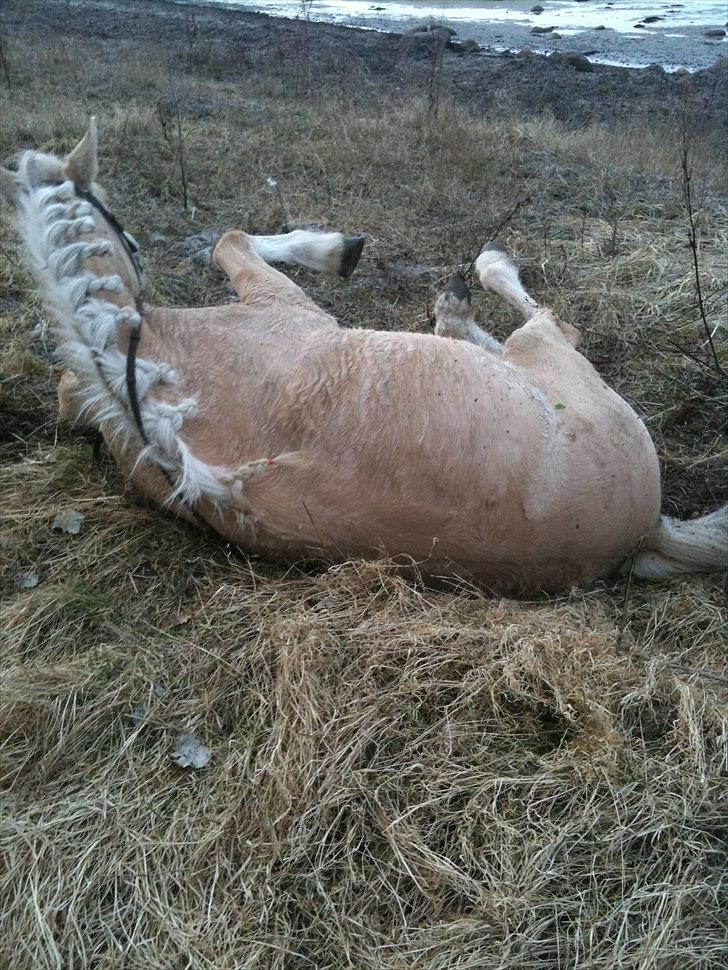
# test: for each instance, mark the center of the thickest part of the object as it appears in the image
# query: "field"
(401, 777)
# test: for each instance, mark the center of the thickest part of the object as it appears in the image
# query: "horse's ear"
(83, 162)
(8, 186)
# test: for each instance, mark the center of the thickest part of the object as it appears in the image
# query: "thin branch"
(4, 64)
(627, 593)
(703, 363)
(507, 218)
(687, 176)
(180, 142)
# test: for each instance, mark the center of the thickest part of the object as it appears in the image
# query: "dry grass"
(401, 778)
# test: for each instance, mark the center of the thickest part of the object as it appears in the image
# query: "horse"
(512, 465)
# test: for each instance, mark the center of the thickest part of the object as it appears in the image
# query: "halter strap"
(136, 332)
(131, 382)
(132, 253)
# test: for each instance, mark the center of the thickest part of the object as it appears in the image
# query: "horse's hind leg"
(454, 317)
(499, 273)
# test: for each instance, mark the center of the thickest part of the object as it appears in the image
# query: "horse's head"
(70, 185)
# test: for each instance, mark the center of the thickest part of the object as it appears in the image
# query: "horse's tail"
(692, 546)
(58, 231)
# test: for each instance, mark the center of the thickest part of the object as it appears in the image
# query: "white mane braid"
(52, 221)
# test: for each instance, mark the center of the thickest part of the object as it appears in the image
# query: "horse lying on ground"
(514, 464)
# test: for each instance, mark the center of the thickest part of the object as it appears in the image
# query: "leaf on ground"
(27, 580)
(190, 753)
(180, 618)
(327, 603)
(69, 521)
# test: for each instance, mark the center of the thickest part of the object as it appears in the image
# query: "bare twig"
(627, 593)
(281, 202)
(434, 83)
(4, 63)
(191, 32)
(693, 357)
(306, 67)
(496, 231)
(687, 175)
(181, 152)
(170, 116)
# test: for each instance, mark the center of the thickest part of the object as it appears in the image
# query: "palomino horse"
(513, 464)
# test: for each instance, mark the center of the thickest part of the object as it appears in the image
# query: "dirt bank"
(237, 41)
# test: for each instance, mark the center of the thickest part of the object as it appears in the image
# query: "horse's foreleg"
(255, 282)
(454, 317)
(325, 252)
(246, 259)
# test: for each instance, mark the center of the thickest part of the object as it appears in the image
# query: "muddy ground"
(626, 32)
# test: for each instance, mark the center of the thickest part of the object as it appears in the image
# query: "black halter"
(127, 241)
(132, 251)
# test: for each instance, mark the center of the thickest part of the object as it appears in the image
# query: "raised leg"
(246, 260)
(325, 252)
(454, 317)
(255, 282)
(499, 273)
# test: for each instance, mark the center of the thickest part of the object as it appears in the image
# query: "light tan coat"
(294, 437)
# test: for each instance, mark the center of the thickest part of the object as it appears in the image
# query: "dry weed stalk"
(686, 170)
(191, 35)
(4, 63)
(434, 83)
(170, 122)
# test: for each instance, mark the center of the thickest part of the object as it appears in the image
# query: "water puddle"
(619, 15)
(622, 32)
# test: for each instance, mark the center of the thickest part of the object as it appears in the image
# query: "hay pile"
(400, 778)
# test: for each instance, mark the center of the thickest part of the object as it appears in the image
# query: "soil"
(530, 82)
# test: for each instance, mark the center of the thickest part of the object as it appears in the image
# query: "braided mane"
(53, 221)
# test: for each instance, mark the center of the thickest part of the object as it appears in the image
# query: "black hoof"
(494, 247)
(353, 246)
(458, 287)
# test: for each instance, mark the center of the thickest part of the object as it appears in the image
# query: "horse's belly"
(419, 448)
(453, 511)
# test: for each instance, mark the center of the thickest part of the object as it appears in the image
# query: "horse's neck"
(111, 271)
(87, 281)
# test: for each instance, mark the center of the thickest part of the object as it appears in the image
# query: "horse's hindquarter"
(403, 443)
(467, 459)
(599, 485)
